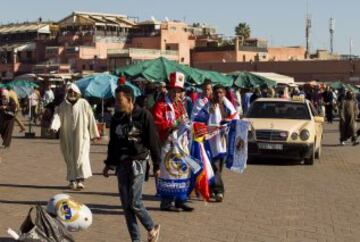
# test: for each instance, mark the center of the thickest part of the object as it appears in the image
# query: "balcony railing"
(137, 51)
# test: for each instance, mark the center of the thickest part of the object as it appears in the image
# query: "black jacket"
(133, 137)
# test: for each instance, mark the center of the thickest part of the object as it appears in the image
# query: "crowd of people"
(149, 127)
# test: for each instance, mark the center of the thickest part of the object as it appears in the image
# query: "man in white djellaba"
(75, 120)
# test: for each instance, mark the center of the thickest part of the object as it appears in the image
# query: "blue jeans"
(131, 179)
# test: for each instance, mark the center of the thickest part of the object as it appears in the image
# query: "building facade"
(22, 46)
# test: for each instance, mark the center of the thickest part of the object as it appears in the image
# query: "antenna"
(332, 32)
(307, 34)
(350, 47)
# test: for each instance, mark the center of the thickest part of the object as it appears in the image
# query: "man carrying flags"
(216, 112)
(171, 120)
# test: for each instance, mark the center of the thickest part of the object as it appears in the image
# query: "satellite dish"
(167, 19)
(153, 19)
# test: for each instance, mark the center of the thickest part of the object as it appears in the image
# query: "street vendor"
(169, 116)
(217, 113)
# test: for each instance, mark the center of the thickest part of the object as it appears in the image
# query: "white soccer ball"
(74, 215)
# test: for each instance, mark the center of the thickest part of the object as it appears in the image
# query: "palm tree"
(243, 31)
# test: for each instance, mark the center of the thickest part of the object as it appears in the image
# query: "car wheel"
(310, 161)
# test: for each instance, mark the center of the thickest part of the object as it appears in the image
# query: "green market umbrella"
(340, 85)
(250, 80)
(158, 70)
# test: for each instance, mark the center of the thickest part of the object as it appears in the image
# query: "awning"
(280, 79)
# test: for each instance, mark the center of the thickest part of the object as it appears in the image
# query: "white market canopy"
(280, 79)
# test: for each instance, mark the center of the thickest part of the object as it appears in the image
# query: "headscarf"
(73, 87)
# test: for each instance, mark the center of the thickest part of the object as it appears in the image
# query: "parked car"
(283, 128)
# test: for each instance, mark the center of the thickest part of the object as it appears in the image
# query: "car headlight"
(294, 136)
(304, 134)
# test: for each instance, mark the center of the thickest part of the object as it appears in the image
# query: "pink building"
(253, 50)
(153, 39)
(22, 46)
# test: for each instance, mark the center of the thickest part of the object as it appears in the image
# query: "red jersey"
(165, 115)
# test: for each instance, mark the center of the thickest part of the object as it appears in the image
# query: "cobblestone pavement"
(271, 201)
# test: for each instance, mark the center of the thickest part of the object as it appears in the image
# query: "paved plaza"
(271, 201)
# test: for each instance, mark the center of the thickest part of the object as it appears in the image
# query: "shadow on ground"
(34, 186)
(274, 162)
(101, 209)
(6, 239)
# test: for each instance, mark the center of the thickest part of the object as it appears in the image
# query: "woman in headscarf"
(7, 117)
(348, 114)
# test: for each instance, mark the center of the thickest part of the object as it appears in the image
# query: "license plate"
(269, 146)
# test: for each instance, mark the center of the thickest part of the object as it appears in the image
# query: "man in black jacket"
(133, 137)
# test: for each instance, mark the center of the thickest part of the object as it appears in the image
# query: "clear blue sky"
(280, 21)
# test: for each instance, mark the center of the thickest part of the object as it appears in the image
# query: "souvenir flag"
(237, 145)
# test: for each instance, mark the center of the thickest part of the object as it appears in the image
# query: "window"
(84, 67)
(279, 110)
(91, 67)
(244, 58)
(313, 110)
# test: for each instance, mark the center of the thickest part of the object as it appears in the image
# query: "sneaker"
(219, 197)
(153, 236)
(185, 207)
(72, 185)
(80, 185)
(342, 143)
(355, 143)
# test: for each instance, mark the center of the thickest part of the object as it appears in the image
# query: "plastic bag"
(44, 229)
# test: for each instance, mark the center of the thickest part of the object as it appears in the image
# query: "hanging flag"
(204, 178)
(237, 145)
(176, 167)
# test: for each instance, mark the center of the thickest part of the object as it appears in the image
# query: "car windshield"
(279, 110)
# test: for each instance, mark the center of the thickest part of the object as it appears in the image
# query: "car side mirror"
(319, 119)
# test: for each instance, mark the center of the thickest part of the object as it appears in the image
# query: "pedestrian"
(221, 111)
(133, 138)
(328, 100)
(239, 105)
(75, 120)
(35, 99)
(14, 96)
(246, 102)
(206, 96)
(256, 95)
(270, 93)
(7, 117)
(187, 102)
(48, 96)
(162, 91)
(348, 115)
(169, 115)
